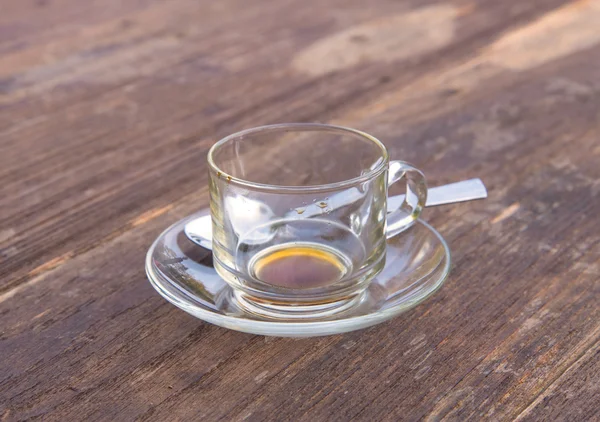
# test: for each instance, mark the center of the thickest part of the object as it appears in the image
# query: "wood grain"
(107, 111)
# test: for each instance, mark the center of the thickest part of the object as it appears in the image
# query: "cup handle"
(414, 200)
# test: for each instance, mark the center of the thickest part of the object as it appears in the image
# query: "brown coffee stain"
(299, 267)
(385, 40)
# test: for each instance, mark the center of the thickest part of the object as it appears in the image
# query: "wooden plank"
(78, 171)
(106, 335)
(515, 327)
(573, 396)
(405, 338)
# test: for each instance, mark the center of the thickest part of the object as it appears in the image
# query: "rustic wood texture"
(107, 110)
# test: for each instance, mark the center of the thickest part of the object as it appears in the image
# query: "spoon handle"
(199, 230)
(466, 190)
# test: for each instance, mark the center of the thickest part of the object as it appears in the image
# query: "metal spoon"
(199, 230)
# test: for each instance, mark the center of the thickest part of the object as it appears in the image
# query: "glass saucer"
(417, 264)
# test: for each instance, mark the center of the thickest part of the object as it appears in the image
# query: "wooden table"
(108, 109)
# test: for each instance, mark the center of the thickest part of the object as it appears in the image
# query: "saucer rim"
(283, 328)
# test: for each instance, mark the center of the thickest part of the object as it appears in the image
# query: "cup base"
(300, 304)
(304, 312)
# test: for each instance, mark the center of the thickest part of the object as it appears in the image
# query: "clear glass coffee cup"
(300, 216)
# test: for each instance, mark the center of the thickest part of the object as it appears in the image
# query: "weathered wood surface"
(107, 111)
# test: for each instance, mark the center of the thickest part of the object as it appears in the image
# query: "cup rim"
(381, 167)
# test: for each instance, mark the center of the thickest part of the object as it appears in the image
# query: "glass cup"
(300, 216)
